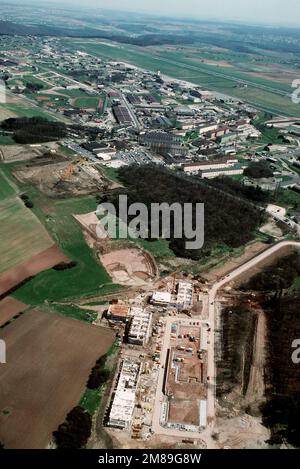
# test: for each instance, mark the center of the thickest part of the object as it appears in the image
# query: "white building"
(123, 404)
(203, 414)
(210, 174)
(209, 165)
(161, 298)
(212, 169)
(140, 327)
(184, 294)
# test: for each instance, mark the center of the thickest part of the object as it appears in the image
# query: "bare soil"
(9, 308)
(129, 266)
(36, 264)
(49, 358)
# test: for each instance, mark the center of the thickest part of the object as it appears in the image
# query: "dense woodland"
(259, 169)
(236, 188)
(238, 328)
(99, 374)
(276, 277)
(75, 431)
(281, 413)
(34, 129)
(229, 219)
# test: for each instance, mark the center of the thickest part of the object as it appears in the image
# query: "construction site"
(57, 177)
(185, 377)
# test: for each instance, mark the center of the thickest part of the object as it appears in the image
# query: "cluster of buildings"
(212, 169)
(142, 117)
(137, 319)
(181, 299)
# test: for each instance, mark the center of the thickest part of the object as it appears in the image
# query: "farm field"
(50, 360)
(6, 188)
(16, 106)
(265, 94)
(22, 235)
(26, 248)
(56, 218)
(9, 308)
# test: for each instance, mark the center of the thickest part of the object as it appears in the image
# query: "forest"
(229, 220)
(238, 329)
(259, 169)
(236, 188)
(32, 130)
(281, 412)
(277, 277)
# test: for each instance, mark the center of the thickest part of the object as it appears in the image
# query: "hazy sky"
(255, 11)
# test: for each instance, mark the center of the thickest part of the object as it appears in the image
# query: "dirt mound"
(130, 266)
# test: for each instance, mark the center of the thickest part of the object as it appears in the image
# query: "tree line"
(75, 431)
(32, 130)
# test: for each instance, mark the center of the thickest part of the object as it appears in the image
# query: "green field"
(88, 102)
(73, 311)
(289, 199)
(22, 235)
(296, 284)
(24, 110)
(111, 173)
(74, 93)
(91, 399)
(6, 140)
(262, 93)
(28, 79)
(159, 249)
(88, 277)
(6, 187)
(55, 100)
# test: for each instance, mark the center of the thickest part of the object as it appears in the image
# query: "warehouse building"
(213, 173)
(209, 165)
(122, 115)
(212, 169)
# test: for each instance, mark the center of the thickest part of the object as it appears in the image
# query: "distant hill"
(10, 28)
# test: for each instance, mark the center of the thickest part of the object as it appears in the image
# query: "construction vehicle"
(68, 173)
